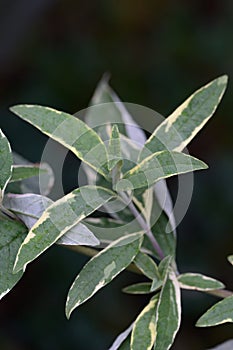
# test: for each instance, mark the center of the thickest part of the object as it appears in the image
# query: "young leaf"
(59, 218)
(176, 131)
(168, 314)
(147, 266)
(69, 131)
(114, 148)
(144, 329)
(5, 163)
(164, 265)
(221, 312)
(101, 269)
(138, 288)
(121, 339)
(22, 172)
(12, 234)
(158, 166)
(196, 281)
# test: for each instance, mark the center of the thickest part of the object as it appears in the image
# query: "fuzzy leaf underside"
(59, 218)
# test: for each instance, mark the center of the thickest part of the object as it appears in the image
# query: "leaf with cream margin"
(101, 269)
(230, 259)
(146, 265)
(5, 163)
(168, 313)
(158, 166)
(177, 130)
(30, 207)
(138, 288)
(69, 131)
(144, 329)
(12, 234)
(220, 313)
(197, 281)
(114, 148)
(58, 219)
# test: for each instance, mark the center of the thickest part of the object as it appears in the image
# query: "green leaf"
(69, 131)
(21, 172)
(5, 162)
(168, 314)
(196, 281)
(59, 218)
(221, 312)
(114, 148)
(230, 259)
(12, 234)
(176, 131)
(164, 265)
(158, 166)
(101, 269)
(146, 265)
(144, 329)
(138, 288)
(120, 341)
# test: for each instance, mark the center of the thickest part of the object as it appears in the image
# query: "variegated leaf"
(197, 281)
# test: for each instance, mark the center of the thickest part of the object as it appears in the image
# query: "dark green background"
(158, 52)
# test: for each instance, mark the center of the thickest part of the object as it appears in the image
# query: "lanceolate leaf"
(5, 162)
(69, 131)
(144, 329)
(138, 288)
(147, 266)
(187, 120)
(168, 314)
(12, 234)
(200, 282)
(158, 166)
(30, 207)
(21, 172)
(221, 312)
(101, 269)
(114, 148)
(59, 218)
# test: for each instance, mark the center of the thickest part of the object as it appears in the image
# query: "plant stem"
(144, 225)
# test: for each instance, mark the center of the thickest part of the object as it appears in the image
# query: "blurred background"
(158, 52)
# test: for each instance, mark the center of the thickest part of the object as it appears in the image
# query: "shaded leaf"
(221, 312)
(59, 218)
(176, 131)
(101, 269)
(158, 166)
(144, 329)
(168, 314)
(138, 288)
(196, 281)
(5, 162)
(69, 131)
(12, 234)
